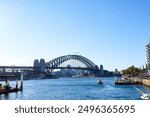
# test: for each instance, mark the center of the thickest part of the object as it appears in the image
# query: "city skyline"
(112, 33)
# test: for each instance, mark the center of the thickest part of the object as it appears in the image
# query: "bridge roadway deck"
(15, 67)
(31, 67)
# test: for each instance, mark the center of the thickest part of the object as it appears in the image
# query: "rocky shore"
(144, 80)
(137, 80)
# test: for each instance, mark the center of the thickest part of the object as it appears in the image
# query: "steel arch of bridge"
(53, 64)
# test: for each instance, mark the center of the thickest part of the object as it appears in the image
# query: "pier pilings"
(7, 88)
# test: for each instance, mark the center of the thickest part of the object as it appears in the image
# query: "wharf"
(8, 89)
(122, 82)
(128, 81)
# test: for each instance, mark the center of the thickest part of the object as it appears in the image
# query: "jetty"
(7, 88)
(121, 82)
(128, 81)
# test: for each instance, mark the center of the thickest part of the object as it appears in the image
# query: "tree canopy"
(131, 71)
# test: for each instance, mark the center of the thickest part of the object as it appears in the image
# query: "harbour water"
(74, 89)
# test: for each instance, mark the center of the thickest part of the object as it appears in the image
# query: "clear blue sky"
(109, 32)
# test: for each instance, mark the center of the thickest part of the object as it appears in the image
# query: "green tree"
(131, 71)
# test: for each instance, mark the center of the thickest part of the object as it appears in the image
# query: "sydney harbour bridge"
(62, 62)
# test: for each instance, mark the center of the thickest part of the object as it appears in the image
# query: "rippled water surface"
(75, 89)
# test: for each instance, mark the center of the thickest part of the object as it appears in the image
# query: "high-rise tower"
(101, 70)
(148, 53)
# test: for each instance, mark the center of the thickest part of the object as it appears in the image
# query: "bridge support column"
(42, 68)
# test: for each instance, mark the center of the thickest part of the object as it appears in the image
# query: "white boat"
(144, 96)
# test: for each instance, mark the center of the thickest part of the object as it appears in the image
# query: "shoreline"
(144, 80)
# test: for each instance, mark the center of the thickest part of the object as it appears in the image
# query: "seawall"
(146, 82)
(141, 80)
